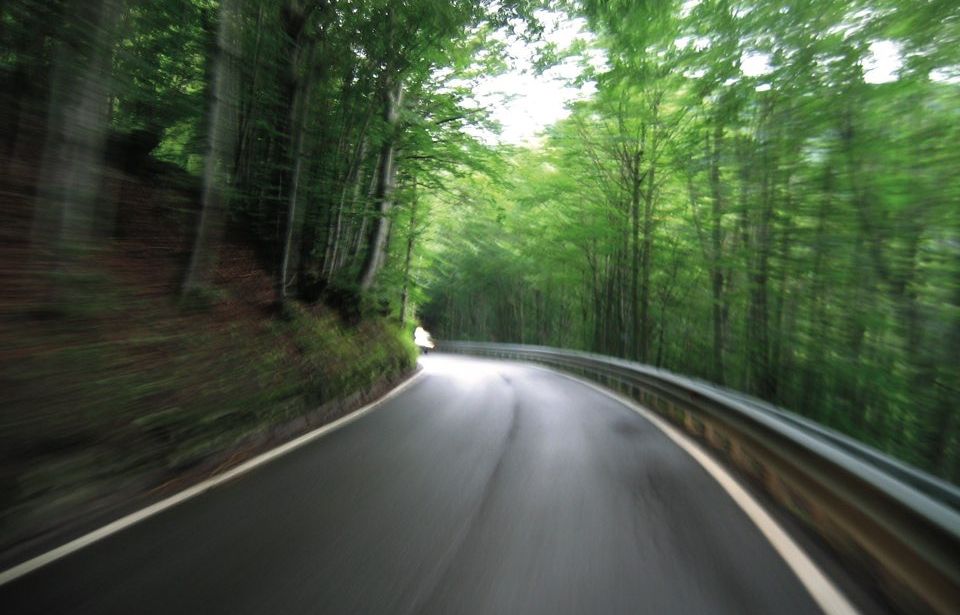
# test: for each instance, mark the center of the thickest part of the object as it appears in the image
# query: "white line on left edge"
(39, 561)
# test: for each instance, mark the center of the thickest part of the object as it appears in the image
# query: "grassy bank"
(112, 389)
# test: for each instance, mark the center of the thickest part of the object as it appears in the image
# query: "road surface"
(484, 487)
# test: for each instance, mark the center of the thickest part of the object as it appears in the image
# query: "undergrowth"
(108, 390)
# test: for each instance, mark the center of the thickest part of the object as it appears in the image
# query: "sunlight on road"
(455, 368)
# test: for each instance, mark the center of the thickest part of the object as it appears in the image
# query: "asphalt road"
(484, 487)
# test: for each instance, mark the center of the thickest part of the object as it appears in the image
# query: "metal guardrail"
(899, 522)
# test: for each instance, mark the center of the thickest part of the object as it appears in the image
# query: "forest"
(745, 201)
(249, 204)
(209, 212)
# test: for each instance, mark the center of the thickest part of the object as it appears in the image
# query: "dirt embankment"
(112, 393)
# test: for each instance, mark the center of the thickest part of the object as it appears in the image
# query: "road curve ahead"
(484, 487)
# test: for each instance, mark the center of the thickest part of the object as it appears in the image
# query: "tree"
(743, 201)
(219, 156)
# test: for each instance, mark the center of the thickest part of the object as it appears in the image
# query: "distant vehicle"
(421, 337)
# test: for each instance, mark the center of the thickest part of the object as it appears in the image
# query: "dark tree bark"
(716, 253)
(408, 256)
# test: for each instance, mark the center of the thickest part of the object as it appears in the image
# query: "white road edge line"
(827, 596)
(64, 550)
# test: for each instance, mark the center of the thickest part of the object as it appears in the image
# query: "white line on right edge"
(64, 550)
(823, 591)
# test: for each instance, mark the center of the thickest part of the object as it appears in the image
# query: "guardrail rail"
(899, 522)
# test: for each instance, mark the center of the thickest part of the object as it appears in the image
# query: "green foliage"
(743, 202)
(102, 400)
(340, 359)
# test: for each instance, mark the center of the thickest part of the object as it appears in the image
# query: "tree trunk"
(636, 181)
(817, 336)
(220, 147)
(298, 124)
(360, 239)
(716, 245)
(411, 238)
(351, 188)
(376, 253)
(762, 379)
(76, 131)
(646, 263)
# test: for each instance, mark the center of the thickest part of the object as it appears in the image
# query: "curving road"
(483, 487)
